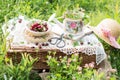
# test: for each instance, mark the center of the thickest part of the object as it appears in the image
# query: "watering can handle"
(59, 23)
(52, 18)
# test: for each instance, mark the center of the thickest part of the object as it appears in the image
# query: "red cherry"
(35, 24)
(36, 43)
(32, 27)
(46, 44)
(39, 26)
(43, 44)
(45, 24)
(46, 28)
(20, 20)
(39, 46)
(81, 43)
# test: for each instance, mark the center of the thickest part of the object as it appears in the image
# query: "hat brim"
(99, 33)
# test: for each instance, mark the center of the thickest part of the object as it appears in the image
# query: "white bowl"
(38, 39)
(34, 33)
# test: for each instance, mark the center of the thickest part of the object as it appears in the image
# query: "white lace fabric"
(90, 43)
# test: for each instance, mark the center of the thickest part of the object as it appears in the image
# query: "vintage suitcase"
(15, 54)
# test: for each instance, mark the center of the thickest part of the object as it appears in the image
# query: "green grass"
(42, 9)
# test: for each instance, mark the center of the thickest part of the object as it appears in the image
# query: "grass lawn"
(42, 9)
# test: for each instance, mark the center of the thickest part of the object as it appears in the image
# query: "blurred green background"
(42, 9)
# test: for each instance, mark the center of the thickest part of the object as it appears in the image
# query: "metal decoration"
(58, 41)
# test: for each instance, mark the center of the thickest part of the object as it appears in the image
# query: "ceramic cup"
(73, 26)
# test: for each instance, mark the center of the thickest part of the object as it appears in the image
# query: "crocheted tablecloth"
(89, 44)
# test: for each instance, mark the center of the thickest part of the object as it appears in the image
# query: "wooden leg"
(44, 75)
(106, 68)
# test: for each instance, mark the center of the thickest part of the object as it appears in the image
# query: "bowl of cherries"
(38, 28)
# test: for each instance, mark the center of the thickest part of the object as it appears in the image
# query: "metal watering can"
(68, 25)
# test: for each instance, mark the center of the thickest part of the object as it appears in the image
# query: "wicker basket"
(41, 55)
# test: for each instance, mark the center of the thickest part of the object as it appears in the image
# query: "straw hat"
(109, 31)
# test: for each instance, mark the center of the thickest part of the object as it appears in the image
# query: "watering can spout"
(52, 18)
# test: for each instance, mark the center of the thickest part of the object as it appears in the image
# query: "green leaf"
(75, 43)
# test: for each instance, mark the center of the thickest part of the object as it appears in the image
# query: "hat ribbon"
(112, 39)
